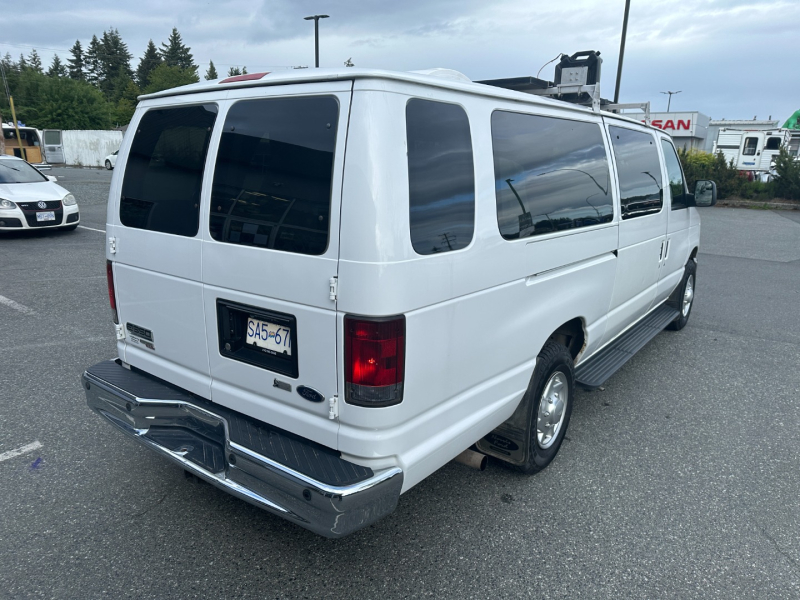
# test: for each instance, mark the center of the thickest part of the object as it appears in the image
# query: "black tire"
(68, 228)
(108, 165)
(554, 358)
(676, 300)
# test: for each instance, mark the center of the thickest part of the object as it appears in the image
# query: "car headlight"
(7, 204)
(69, 200)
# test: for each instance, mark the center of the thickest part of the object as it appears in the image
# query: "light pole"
(622, 48)
(316, 35)
(670, 97)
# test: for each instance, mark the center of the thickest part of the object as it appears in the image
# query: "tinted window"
(164, 174)
(441, 179)
(52, 137)
(550, 174)
(272, 184)
(773, 143)
(676, 187)
(639, 172)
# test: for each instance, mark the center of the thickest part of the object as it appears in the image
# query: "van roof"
(441, 78)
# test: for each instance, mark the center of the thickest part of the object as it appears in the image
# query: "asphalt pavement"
(678, 480)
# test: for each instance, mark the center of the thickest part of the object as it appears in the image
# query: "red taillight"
(374, 360)
(112, 295)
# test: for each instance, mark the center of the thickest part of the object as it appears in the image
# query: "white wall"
(89, 148)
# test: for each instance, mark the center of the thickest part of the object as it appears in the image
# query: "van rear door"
(53, 146)
(271, 253)
(156, 250)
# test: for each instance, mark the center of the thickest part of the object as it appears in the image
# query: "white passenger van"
(327, 284)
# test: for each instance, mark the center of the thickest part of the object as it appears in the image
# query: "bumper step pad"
(594, 372)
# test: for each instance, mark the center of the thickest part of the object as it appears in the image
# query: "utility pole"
(316, 35)
(670, 97)
(622, 49)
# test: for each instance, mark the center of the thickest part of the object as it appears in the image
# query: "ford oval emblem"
(310, 394)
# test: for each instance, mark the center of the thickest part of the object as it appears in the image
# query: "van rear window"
(164, 174)
(550, 174)
(274, 173)
(441, 176)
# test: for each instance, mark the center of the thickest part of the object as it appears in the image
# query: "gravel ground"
(679, 480)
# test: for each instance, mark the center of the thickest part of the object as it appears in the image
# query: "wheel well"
(572, 335)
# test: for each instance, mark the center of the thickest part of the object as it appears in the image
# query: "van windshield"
(18, 171)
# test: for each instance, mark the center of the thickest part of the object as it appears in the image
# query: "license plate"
(46, 216)
(269, 336)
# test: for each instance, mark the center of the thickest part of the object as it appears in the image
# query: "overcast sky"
(731, 59)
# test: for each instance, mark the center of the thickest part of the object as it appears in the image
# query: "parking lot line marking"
(17, 306)
(21, 450)
(92, 228)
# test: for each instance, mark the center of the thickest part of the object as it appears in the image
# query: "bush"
(787, 179)
(730, 181)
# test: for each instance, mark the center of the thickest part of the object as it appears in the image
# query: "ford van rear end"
(223, 250)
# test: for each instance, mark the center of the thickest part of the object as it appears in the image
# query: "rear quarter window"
(164, 173)
(441, 177)
(551, 174)
(274, 174)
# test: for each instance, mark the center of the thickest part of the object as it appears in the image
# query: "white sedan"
(29, 200)
(111, 160)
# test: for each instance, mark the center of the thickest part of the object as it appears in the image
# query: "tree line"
(96, 88)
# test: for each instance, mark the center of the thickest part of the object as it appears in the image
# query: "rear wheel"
(551, 392)
(108, 165)
(682, 298)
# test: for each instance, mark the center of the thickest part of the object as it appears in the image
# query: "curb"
(759, 205)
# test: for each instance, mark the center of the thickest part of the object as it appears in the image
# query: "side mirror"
(705, 193)
(53, 178)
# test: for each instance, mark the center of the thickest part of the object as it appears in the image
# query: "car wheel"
(68, 228)
(108, 165)
(682, 298)
(551, 392)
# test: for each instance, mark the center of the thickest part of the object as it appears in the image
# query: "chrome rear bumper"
(320, 491)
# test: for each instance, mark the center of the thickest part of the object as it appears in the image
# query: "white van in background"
(327, 284)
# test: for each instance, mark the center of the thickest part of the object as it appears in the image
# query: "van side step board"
(595, 371)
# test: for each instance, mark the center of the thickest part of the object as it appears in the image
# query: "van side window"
(676, 187)
(550, 174)
(639, 172)
(274, 174)
(441, 176)
(164, 174)
(750, 145)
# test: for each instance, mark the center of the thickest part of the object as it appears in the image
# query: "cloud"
(732, 58)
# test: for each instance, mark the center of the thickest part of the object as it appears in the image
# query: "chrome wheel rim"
(552, 410)
(688, 295)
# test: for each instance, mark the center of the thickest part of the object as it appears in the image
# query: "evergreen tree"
(22, 64)
(76, 62)
(115, 65)
(176, 54)
(93, 69)
(237, 71)
(34, 62)
(147, 64)
(212, 71)
(57, 68)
